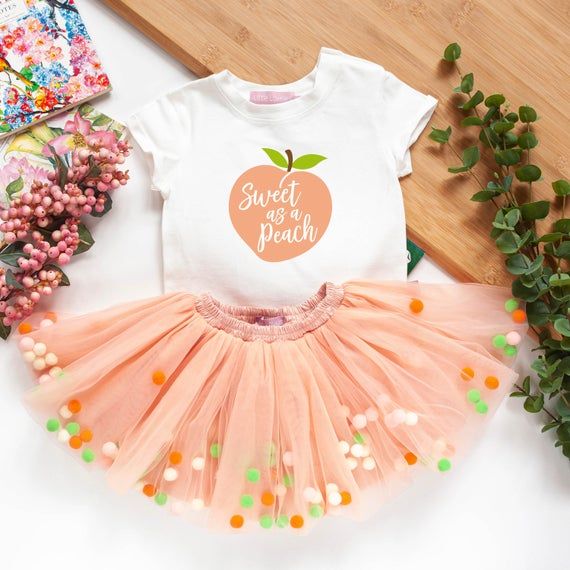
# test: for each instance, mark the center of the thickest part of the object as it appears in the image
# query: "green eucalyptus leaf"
(535, 210)
(471, 121)
(563, 405)
(508, 242)
(467, 83)
(549, 238)
(307, 161)
(4, 330)
(11, 281)
(473, 102)
(562, 326)
(526, 385)
(64, 282)
(548, 427)
(562, 225)
(563, 432)
(518, 264)
(561, 187)
(14, 187)
(10, 253)
(512, 217)
(501, 127)
(527, 114)
(527, 140)
(491, 112)
(513, 117)
(440, 135)
(276, 157)
(452, 52)
(484, 196)
(534, 404)
(550, 385)
(537, 313)
(563, 250)
(523, 292)
(85, 239)
(495, 100)
(508, 157)
(470, 156)
(510, 139)
(528, 173)
(489, 137)
(108, 205)
(457, 169)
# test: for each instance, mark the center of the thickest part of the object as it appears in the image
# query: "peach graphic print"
(281, 211)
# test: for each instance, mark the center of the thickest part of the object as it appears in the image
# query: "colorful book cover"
(47, 62)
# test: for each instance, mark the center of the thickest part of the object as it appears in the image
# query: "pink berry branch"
(41, 225)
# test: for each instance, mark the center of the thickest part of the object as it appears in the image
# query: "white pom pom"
(371, 414)
(395, 418)
(310, 494)
(359, 421)
(170, 474)
(383, 400)
(197, 504)
(65, 412)
(55, 371)
(39, 364)
(110, 449)
(344, 446)
(368, 463)
(26, 344)
(513, 338)
(411, 419)
(39, 349)
(331, 487)
(63, 435)
(280, 490)
(288, 458)
(29, 356)
(439, 446)
(345, 411)
(352, 463)
(44, 378)
(356, 450)
(46, 323)
(51, 359)
(198, 463)
(334, 498)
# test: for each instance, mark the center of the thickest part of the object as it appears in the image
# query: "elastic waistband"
(243, 321)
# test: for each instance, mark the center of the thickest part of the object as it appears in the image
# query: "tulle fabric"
(250, 418)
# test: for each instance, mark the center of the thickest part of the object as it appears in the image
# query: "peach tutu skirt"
(246, 417)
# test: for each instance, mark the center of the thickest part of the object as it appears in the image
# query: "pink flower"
(20, 167)
(78, 133)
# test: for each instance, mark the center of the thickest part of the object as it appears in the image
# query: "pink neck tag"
(270, 321)
(271, 97)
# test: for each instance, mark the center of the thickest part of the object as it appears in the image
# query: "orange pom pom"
(74, 406)
(267, 498)
(175, 458)
(492, 382)
(75, 442)
(86, 435)
(519, 316)
(416, 306)
(25, 328)
(236, 521)
(296, 521)
(51, 316)
(346, 498)
(410, 458)
(149, 490)
(467, 374)
(158, 377)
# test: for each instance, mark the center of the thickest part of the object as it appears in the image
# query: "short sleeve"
(158, 129)
(406, 113)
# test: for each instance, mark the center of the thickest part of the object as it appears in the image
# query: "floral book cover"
(47, 62)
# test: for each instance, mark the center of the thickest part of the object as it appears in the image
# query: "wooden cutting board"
(520, 48)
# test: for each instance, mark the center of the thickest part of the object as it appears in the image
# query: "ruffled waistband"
(252, 323)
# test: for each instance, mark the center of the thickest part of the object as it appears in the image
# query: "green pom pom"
(282, 521)
(510, 350)
(359, 438)
(265, 521)
(88, 455)
(444, 464)
(215, 450)
(316, 511)
(253, 474)
(161, 498)
(473, 396)
(482, 407)
(511, 305)
(499, 341)
(72, 428)
(246, 501)
(52, 424)
(287, 480)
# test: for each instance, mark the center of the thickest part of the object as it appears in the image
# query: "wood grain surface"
(518, 47)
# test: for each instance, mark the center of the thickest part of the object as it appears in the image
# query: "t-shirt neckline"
(313, 87)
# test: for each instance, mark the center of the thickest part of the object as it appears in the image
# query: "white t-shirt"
(269, 191)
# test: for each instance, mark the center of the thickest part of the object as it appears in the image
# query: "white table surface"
(506, 506)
